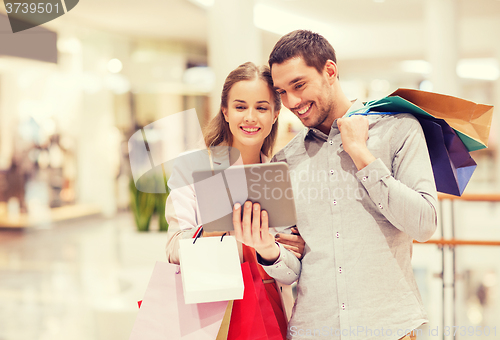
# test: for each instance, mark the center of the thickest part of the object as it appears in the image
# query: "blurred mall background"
(73, 91)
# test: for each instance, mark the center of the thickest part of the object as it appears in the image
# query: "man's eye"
(281, 92)
(298, 86)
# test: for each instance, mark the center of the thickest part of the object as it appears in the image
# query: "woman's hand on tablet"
(293, 242)
(253, 230)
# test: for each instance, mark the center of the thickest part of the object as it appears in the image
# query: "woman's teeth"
(250, 129)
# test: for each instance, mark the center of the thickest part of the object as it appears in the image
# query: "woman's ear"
(276, 114)
(224, 112)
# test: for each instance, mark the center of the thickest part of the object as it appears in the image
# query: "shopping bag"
(224, 327)
(452, 165)
(451, 162)
(164, 314)
(210, 269)
(252, 317)
(470, 121)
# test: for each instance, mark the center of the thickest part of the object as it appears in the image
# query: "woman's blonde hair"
(217, 131)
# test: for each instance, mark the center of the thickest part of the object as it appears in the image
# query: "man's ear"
(224, 112)
(331, 71)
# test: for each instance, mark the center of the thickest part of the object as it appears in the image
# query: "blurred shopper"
(247, 121)
(365, 190)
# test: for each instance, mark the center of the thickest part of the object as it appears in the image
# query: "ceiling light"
(479, 68)
(203, 3)
(280, 22)
(115, 66)
(416, 66)
(426, 85)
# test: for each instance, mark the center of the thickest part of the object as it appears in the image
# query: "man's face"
(305, 92)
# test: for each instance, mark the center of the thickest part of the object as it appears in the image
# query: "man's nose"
(292, 101)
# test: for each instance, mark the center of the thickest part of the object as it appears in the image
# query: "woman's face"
(250, 113)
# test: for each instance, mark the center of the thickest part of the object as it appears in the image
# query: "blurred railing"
(452, 242)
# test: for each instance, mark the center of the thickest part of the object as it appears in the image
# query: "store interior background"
(73, 265)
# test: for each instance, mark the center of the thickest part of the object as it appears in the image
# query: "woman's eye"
(240, 107)
(262, 108)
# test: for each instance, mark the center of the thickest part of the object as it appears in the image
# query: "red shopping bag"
(163, 314)
(253, 317)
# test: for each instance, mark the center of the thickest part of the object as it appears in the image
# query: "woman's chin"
(251, 141)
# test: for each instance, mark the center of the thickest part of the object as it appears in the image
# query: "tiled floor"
(78, 280)
(81, 280)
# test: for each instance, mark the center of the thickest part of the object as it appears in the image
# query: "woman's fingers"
(238, 233)
(264, 230)
(247, 222)
(253, 228)
(256, 224)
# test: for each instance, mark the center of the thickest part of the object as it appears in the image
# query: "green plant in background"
(144, 205)
(161, 200)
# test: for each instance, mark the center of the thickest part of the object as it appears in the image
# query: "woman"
(247, 121)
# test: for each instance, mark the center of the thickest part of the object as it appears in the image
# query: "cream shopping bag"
(210, 269)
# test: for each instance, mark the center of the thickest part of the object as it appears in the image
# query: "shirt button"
(338, 235)
(343, 306)
(331, 142)
(340, 270)
(365, 178)
(332, 172)
(380, 206)
(334, 202)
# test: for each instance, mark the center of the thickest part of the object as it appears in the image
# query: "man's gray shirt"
(355, 278)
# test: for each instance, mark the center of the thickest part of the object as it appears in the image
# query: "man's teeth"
(304, 110)
(250, 129)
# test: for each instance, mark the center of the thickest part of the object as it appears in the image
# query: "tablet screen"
(268, 184)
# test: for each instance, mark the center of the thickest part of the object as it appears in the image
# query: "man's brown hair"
(312, 47)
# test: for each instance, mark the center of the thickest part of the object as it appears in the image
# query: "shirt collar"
(356, 106)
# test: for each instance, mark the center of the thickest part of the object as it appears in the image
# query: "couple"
(355, 279)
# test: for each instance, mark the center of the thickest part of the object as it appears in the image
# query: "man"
(364, 189)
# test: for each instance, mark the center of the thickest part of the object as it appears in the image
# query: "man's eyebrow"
(293, 81)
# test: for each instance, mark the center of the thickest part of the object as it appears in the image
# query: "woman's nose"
(250, 115)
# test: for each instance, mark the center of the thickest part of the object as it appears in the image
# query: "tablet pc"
(268, 184)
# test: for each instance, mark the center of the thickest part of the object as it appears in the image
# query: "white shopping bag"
(210, 269)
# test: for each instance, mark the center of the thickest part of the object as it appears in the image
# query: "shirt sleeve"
(407, 195)
(180, 211)
(286, 269)
(181, 207)
(172, 248)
